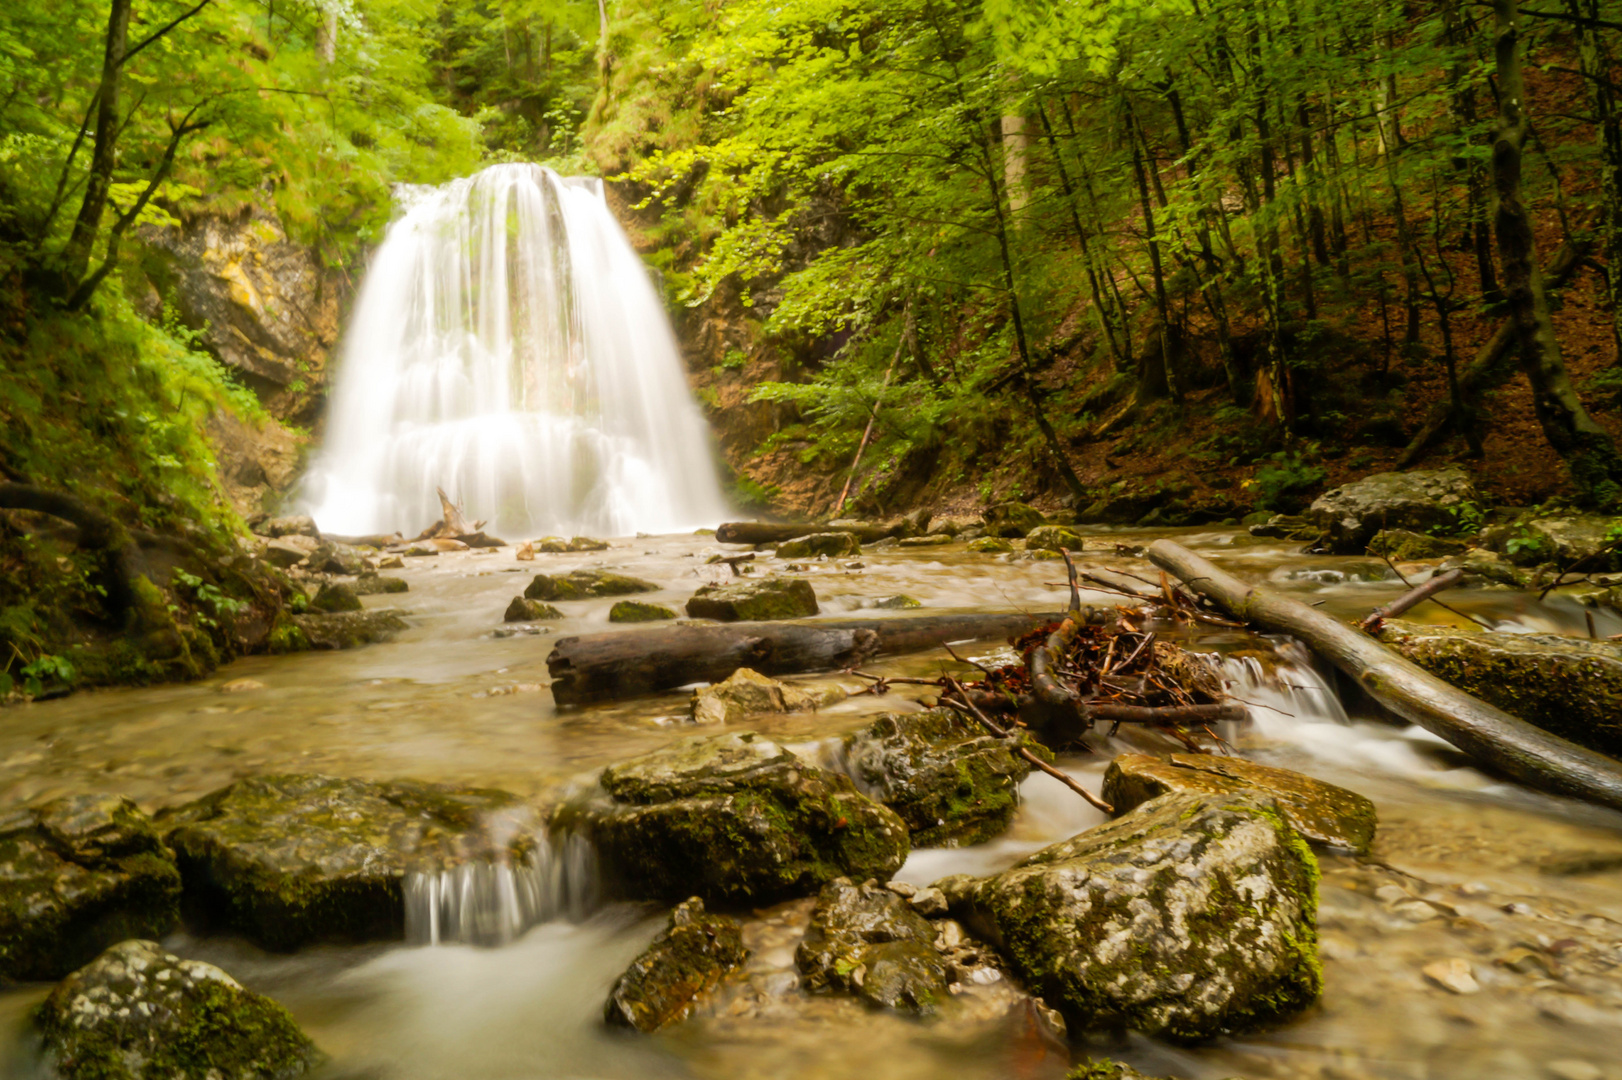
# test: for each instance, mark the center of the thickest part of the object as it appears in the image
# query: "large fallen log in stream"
(771, 532)
(601, 667)
(1491, 736)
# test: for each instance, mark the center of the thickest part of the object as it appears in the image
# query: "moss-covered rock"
(754, 601)
(297, 858)
(732, 818)
(1569, 686)
(867, 940)
(334, 558)
(1483, 566)
(990, 545)
(898, 602)
(639, 611)
(522, 610)
(1323, 813)
(349, 629)
(1419, 501)
(1400, 545)
(78, 874)
(1012, 520)
(139, 1013)
(378, 584)
(333, 597)
(1565, 539)
(937, 540)
(581, 584)
(686, 961)
(1191, 917)
(552, 545)
(831, 544)
(1109, 1070)
(1053, 538)
(747, 693)
(587, 543)
(950, 782)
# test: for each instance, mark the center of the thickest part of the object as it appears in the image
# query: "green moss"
(632, 611)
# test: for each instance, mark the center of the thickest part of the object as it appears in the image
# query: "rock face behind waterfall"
(1190, 917)
(732, 818)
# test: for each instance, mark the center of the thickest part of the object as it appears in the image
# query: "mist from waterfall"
(508, 346)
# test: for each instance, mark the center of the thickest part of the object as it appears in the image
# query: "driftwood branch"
(963, 703)
(1491, 736)
(1410, 599)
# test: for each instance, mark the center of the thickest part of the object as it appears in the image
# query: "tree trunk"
(1168, 382)
(104, 155)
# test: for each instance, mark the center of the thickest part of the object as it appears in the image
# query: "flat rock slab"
(1569, 686)
(1191, 917)
(290, 859)
(747, 693)
(78, 874)
(684, 963)
(732, 818)
(754, 601)
(1323, 813)
(139, 1013)
(868, 941)
(1418, 501)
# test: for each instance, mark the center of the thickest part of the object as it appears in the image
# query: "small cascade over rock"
(492, 903)
(509, 347)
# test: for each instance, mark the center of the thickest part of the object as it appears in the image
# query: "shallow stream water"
(1525, 888)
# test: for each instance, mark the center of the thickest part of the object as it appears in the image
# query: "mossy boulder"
(866, 940)
(137, 1012)
(583, 584)
(734, 819)
(747, 693)
(898, 602)
(831, 544)
(522, 610)
(937, 540)
(1565, 539)
(639, 611)
(1400, 545)
(378, 584)
(587, 543)
(332, 558)
(1421, 501)
(1191, 917)
(552, 545)
(685, 962)
(1323, 813)
(1053, 538)
(78, 874)
(290, 859)
(1109, 1070)
(1012, 520)
(349, 629)
(1482, 565)
(1565, 685)
(333, 597)
(948, 780)
(990, 545)
(754, 601)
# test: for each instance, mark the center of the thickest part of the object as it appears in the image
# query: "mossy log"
(771, 532)
(1494, 738)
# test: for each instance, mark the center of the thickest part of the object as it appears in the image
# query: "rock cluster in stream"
(687, 960)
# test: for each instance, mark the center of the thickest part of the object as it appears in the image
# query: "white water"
(509, 347)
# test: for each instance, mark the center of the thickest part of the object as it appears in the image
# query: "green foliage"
(1283, 483)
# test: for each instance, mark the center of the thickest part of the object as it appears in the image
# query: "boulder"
(732, 818)
(868, 941)
(1190, 917)
(1012, 519)
(686, 961)
(137, 1012)
(831, 544)
(1566, 685)
(898, 602)
(747, 693)
(754, 601)
(391, 562)
(552, 545)
(284, 554)
(522, 610)
(1419, 501)
(1285, 527)
(377, 584)
(944, 527)
(332, 558)
(638, 611)
(1323, 813)
(333, 597)
(291, 859)
(990, 545)
(587, 543)
(78, 874)
(937, 540)
(1565, 540)
(1110, 1070)
(948, 780)
(1400, 545)
(293, 525)
(1482, 566)
(1053, 538)
(581, 584)
(349, 629)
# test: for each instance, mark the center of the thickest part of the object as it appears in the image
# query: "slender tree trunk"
(104, 155)
(1105, 323)
(1595, 61)
(1171, 384)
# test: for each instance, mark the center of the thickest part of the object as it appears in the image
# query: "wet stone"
(632, 611)
(990, 545)
(581, 584)
(137, 1012)
(831, 544)
(349, 629)
(925, 541)
(1417, 501)
(1400, 545)
(747, 693)
(682, 965)
(754, 601)
(379, 584)
(334, 597)
(331, 558)
(1012, 520)
(78, 874)
(587, 543)
(284, 554)
(868, 941)
(898, 602)
(522, 610)
(1053, 538)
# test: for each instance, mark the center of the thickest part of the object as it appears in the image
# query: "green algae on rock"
(632, 611)
(333, 597)
(990, 545)
(686, 961)
(78, 874)
(1323, 813)
(522, 610)
(747, 693)
(1012, 520)
(754, 601)
(1053, 538)
(831, 544)
(1193, 916)
(1401, 545)
(949, 781)
(349, 629)
(866, 939)
(290, 859)
(138, 1013)
(374, 584)
(582, 584)
(1420, 501)
(732, 818)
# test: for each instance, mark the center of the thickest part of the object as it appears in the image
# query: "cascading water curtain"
(508, 346)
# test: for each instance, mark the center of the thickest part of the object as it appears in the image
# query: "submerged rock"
(289, 859)
(831, 544)
(950, 782)
(685, 962)
(732, 818)
(925, 541)
(78, 874)
(1565, 685)
(580, 584)
(1053, 538)
(1417, 501)
(139, 1013)
(522, 610)
(1190, 917)
(990, 545)
(638, 611)
(1012, 520)
(747, 693)
(754, 601)
(1323, 813)
(376, 584)
(334, 597)
(1400, 545)
(867, 940)
(349, 629)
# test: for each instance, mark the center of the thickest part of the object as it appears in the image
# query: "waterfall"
(508, 346)
(492, 903)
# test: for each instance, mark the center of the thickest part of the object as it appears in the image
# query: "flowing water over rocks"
(1481, 936)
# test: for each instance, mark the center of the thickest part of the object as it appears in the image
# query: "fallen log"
(770, 532)
(1492, 737)
(601, 667)
(1412, 598)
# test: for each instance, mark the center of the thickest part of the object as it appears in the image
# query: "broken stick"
(963, 704)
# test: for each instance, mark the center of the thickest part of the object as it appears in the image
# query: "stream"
(1525, 887)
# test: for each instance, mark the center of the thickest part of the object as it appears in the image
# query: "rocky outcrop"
(747, 693)
(1569, 686)
(1191, 917)
(78, 874)
(1323, 813)
(583, 584)
(949, 781)
(685, 962)
(292, 859)
(831, 544)
(867, 940)
(258, 459)
(1420, 501)
(139, 1013)
(754, 601)
(348, 629)
(732, 818)
(1012, 520)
